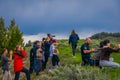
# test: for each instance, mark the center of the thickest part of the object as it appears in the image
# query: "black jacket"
(47, 48)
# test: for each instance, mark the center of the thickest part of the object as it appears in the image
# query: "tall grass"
(71, 69)
(76, 72)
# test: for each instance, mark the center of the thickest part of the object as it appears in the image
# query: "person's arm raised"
(10, 58)
(115, 49)
(23, 52)
(57, 51)
(19, 53)
(119, 46)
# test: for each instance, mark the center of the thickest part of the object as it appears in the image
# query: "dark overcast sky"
(61, 16)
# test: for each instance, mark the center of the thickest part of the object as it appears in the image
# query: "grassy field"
(66, 57)
(66, 60)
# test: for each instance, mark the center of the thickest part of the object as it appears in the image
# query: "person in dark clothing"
(36, 62)
(85, 52)
(39, 59)
(73, 40)
(47, 44)
(55, 58)
(31, 61)
(43, 49)
(105, 60)
(32, 55)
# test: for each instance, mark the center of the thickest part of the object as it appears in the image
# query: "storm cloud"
(61, 16)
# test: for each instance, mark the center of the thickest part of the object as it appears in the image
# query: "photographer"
(39, 59)
(47, 44)
(19, 54)
(105, 60)
(86, 52)
(51, 37)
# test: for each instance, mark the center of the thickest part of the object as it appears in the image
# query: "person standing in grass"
(5, 66)
(54, 54)
(39, 58)
(105, 60)
(55, 58)
(73, 40)
(47, 44)
(19, 54)
(85, 52)
(32, 55)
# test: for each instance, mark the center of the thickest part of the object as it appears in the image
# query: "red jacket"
(18, 62)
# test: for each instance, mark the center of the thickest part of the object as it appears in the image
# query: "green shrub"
(75, 72)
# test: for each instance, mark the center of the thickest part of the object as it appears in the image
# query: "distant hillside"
(104, 35)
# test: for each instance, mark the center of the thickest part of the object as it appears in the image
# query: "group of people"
(101, 56)
(19, 54)
(39, 55)
(42, 52)
(46, 51)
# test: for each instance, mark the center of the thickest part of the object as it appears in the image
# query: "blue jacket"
(52, 47)
(73, 39)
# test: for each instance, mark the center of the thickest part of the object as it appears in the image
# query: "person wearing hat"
(105, 60)
(52, 48)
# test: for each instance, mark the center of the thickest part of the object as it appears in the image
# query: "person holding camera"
(85, 52)
(47, 45)
(51, 37)
(19, 54)
(105, 60)
(39, 59)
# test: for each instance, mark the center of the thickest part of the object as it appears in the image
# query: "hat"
(54, 41)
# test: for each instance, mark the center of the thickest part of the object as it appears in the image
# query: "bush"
(72, 72)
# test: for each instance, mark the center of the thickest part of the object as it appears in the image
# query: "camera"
(49, 35)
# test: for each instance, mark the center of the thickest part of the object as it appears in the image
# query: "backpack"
(97, 54)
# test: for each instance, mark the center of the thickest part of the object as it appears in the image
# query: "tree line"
(103, 35)
(10, 35)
